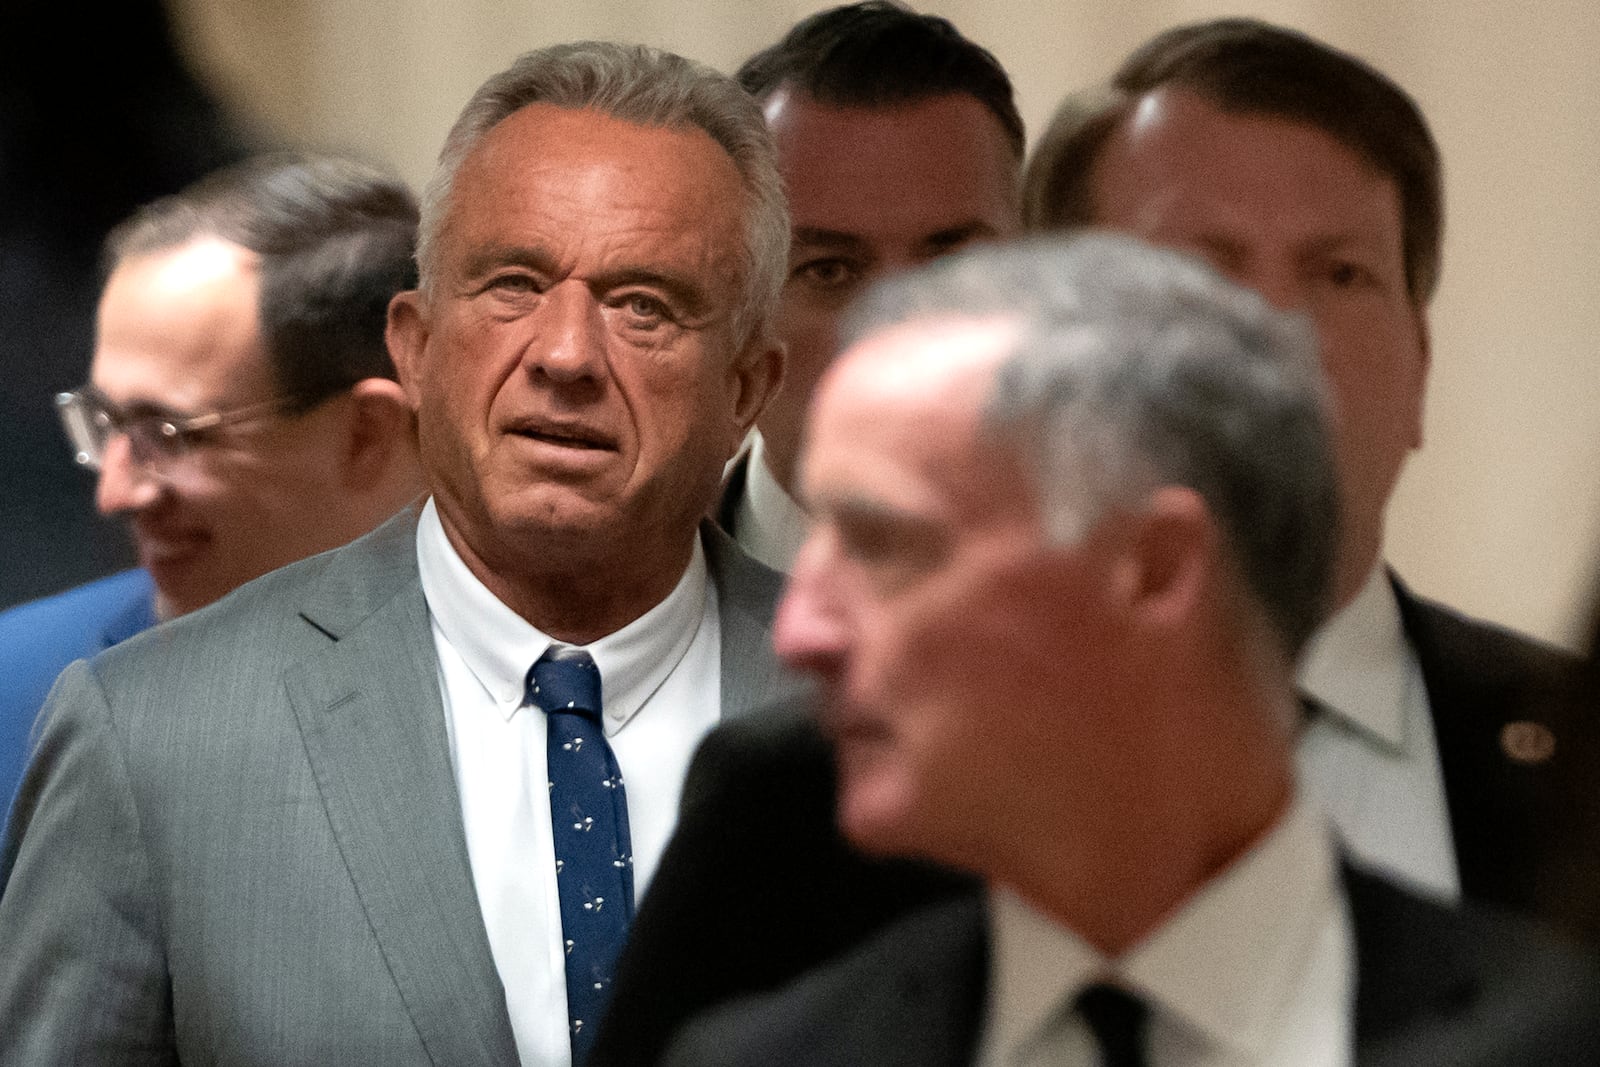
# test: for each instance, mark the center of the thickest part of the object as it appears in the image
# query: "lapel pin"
(1527, 743)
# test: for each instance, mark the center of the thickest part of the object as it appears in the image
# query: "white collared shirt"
(1255, 970)
(1372, 759)
(768, 523)
(661, 692)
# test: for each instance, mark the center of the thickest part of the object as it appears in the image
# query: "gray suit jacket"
(240, 840)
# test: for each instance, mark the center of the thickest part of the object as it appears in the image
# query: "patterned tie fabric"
(589, 819)
(1117, 1019)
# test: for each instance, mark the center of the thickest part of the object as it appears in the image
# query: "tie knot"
(565, 679)
(1117, 1019)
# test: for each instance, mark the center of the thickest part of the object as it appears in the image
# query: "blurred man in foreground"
(241, 410)
(1056, 642)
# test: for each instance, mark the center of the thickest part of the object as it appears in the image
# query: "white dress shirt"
(1255, 970)
(1371, 758)
(661, 692)
(768, 523)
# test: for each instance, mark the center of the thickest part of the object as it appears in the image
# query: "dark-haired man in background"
(241, 410)
(898, 140)
(1307, 175)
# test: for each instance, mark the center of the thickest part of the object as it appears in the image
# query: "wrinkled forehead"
(581, 171)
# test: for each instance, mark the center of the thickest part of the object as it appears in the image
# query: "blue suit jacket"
(39, 639)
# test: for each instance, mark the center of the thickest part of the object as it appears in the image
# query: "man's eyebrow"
(489, 257)
(139, 407)
(960, 233)
(836, 240)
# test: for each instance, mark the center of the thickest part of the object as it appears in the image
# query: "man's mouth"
(165, 547)
(566, 436)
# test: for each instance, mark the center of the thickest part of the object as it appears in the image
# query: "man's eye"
(1347, 275)
(644, 310)
(513, 284)
(828, 274)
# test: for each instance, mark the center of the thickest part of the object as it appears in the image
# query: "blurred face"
(873, 191)
(178, 336)
(956, 649)
(575, 370)
(1290, 212)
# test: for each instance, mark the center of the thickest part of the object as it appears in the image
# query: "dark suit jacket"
(240, 840)
(39, 639)
(1507, 814)
(1434, 986)
(756, 885)
(711, 929)
(725, 513)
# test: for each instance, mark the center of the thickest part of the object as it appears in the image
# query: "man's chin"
(873, 812)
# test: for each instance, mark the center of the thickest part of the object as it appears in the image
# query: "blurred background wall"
(1499, 515)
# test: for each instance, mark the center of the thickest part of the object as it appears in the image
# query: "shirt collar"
(1356, 664)
(1225, 964)
(771, 524)
(499, 646)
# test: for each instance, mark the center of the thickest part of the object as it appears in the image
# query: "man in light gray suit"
(312, 823)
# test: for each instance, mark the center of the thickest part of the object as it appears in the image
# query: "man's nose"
(810, 632)
(570, 344)
(125, 484)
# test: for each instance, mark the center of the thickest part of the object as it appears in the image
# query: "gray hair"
(1135, 368)
(649, 87)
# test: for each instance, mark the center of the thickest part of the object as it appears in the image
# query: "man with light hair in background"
(899, 141)
(1438, 741)
(1055, 641)
(393, 805)
(241, 410)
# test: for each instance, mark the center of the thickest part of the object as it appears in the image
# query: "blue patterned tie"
(589, 818)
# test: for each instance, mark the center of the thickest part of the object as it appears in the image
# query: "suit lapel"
(370, 713)
(1494, 802)
(1412, 963)
(726, 511)
(747, 596)
(931, 977)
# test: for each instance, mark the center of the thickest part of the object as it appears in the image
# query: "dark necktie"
(1117, 1018)
(589, 821)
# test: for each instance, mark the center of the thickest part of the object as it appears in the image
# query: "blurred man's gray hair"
(648, 87)
(1135, 368)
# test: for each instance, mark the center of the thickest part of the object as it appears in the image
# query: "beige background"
(1500, 514)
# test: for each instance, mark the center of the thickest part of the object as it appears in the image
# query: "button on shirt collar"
(499, 646)
(1254, 969)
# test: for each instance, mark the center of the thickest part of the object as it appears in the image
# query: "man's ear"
(1169, 557)
(406, 335)
(1424, 365)
(757, 375)
(382, 432)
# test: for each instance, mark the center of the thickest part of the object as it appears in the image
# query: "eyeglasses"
(154, 440)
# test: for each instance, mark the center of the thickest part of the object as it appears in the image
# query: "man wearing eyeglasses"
(241, 410)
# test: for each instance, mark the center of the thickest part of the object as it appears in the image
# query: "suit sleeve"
(755, 887)
(83, 975)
